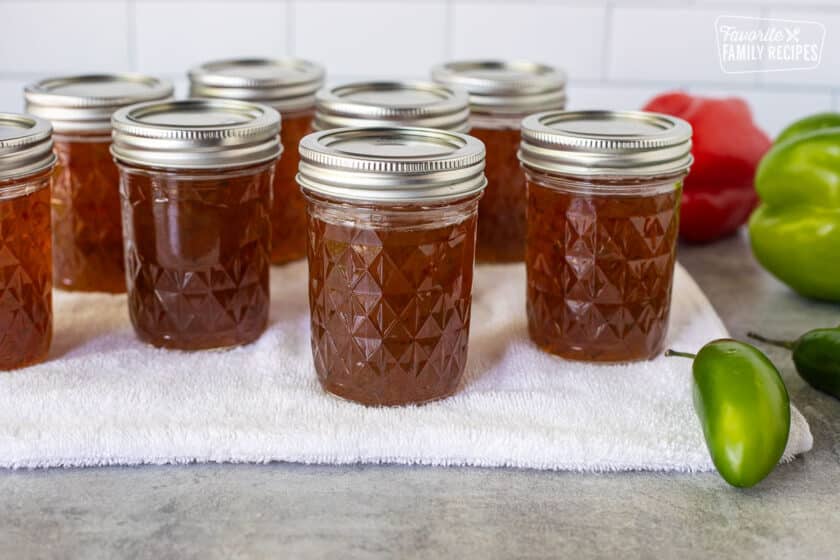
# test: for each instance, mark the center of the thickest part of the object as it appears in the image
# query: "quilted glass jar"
(26, 166)
(392, 222)
(87, 231)
(408, 103)
(501, 93)
(196, 189)
(289, 86)
(603, 215)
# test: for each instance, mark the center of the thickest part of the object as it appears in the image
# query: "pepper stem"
(670, 353)
(775, 342)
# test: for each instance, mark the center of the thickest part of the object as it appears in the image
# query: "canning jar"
(26, 167)
(407, 103)
(392, 221)
(501, 93)
(288, 85)
(87, 231)
(603, 214)
(196, 188)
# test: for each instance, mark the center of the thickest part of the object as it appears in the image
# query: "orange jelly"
(603, 194)
(196, 188)
(26, 162)
(501, 93)
(288, 85)
(87, 228)
(392, 221)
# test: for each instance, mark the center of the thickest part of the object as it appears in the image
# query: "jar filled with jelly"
(407, 103)
(501, 94)
(87, 231)
(392, 222)
(196, 188)
(288, 85)
(26, 168)
(603, 215)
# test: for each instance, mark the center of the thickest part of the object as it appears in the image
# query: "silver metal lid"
(287, 84)
(514, 87)
(391, 164)
(25, 145)
(419, 104)
(85, 103)
(606, 143)
(196, 134)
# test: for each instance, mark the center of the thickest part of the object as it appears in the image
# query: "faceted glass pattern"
(288, 226)
(87, 229)
(25, 272)
(600, 269)
(390, 302)
(501, 212)
(197, 255)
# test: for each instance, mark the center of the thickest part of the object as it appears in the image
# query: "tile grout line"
(449, 29)
(291, 27)
(606, 42)
(131, 33)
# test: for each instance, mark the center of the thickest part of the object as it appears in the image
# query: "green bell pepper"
(795, 231)
(816, 355)
(743, 407)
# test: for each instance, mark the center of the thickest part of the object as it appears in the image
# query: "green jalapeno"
(743, 407)
(816, 356)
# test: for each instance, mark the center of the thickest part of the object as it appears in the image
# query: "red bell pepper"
(718, 194)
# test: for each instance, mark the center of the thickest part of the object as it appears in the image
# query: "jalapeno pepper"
(743, 407)
(795, 232)
(816, 356)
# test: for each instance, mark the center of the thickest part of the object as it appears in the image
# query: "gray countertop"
(296, 511)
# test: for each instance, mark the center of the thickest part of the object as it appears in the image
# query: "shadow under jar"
(288, 85)
(603, 215)
(26, 167)
(196, 187)
(87, 231)
(501, 93)
(392, 222)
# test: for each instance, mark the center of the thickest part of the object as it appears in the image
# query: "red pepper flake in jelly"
(501, 94)
(392, 219)
(26, 164)
(87, 228)
(603, 217)
(196, 180)
(288, 85)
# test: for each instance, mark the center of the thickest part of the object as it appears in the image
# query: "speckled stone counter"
(296, 511)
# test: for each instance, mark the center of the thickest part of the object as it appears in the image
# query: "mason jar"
(603, 193)
(87, 231)
(196, 187)
(398, 103)
(26, 167)
(288, 85)
(392, 222)
(501, 93)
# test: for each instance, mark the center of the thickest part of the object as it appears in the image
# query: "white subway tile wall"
(618, 53)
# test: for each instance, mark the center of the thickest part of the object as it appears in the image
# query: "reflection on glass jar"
(501, 94)
(197, 219)
(288, 85)
(26, 166)
(603, 216)
(392, 222)
(87, 232)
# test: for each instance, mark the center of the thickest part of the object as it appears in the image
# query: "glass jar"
(392, 221)
(288, 85)
(408, 103)
(196, 187)
(26, 166)
(501, 93)
(87, 231)
(603, 215)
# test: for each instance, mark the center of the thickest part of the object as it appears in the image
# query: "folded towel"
(104, 398)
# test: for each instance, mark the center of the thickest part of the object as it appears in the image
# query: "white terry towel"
(104, 398)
